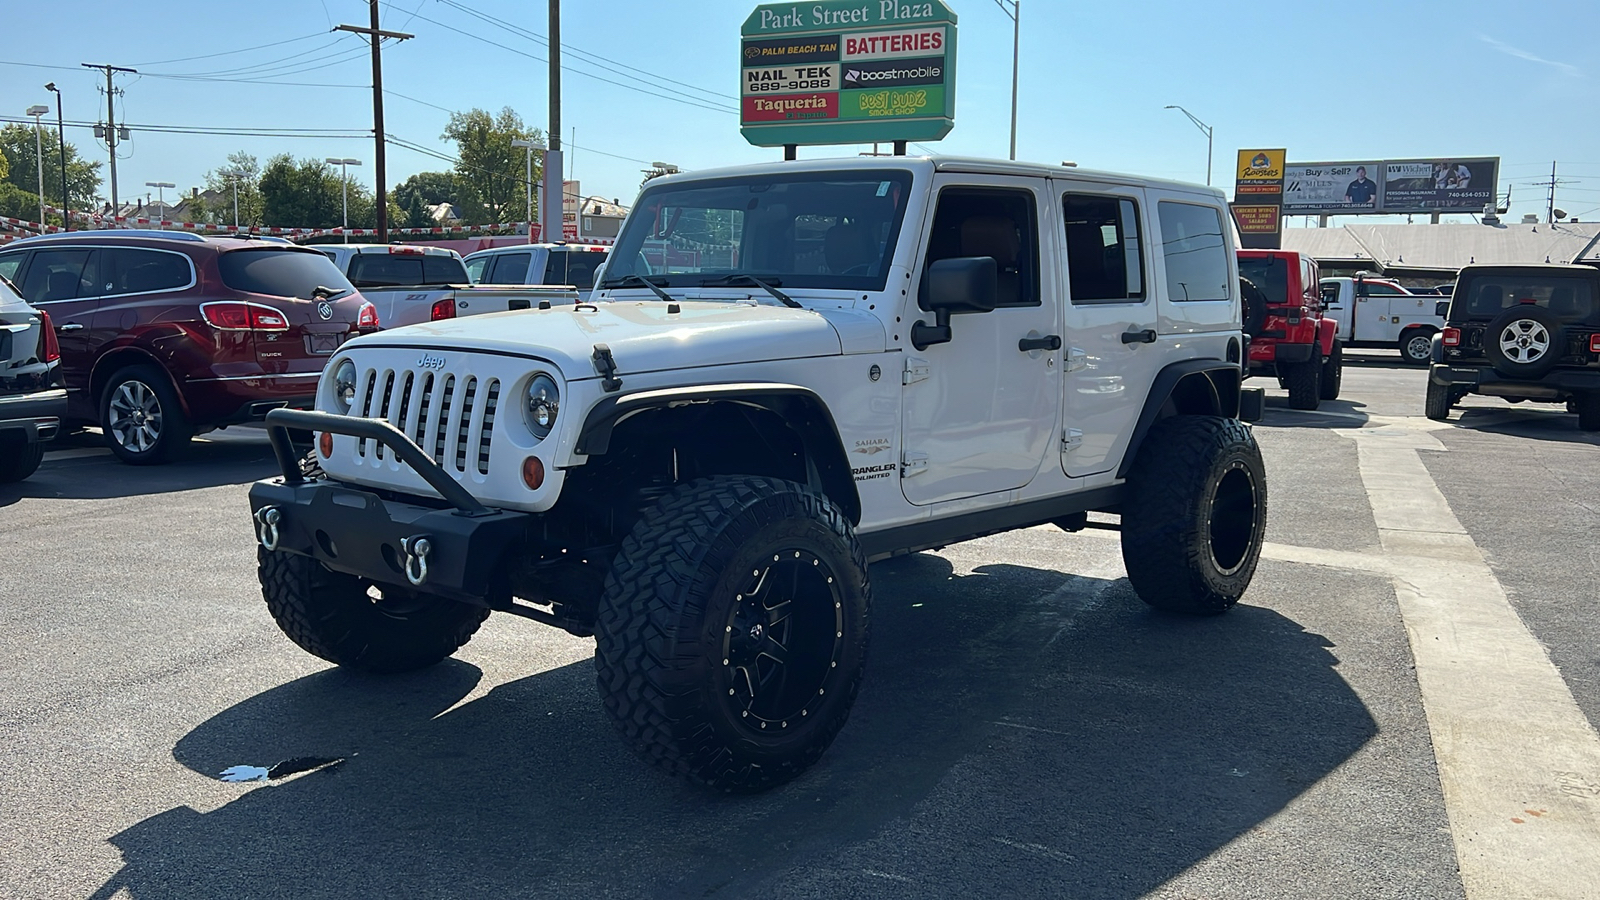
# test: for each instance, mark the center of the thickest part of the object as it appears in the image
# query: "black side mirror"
(963, 284)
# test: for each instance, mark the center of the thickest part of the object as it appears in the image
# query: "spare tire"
(1525, 341)
(1254, 301)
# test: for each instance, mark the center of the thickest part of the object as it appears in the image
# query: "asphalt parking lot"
(1027, 728)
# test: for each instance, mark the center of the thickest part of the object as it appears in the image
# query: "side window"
(1104, 262)
(555, 267)
(8, 266)
(1195, 252)
(993, 222)
(1330, 295)
(55, 275)
(475, 268)
(441, 270)
(580, 268)
(125, 270)
(510, 268)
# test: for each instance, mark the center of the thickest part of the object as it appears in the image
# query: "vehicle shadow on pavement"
(1020, 733)
(1535, 421)
(1328, 414)
(207, 464)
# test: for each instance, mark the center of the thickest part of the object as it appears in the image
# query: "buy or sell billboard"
(1390, 186)
(847, 71)
(1315, 188)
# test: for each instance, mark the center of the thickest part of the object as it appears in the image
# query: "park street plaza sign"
(847, 72)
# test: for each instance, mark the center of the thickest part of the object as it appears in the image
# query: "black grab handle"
(1147, 336)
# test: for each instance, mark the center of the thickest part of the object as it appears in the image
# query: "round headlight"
(543, 403)
(344, 385)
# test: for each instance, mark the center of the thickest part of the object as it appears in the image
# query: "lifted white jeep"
(790, 370)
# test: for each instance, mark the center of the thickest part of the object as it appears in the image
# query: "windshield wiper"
(624, 280)
(322, 292)
(768, 286)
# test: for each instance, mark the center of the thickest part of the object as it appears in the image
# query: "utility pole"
(111, 122)
(551, 206)
(375, 36)
(1550, 209)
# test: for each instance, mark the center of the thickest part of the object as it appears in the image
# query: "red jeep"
(1290, 338)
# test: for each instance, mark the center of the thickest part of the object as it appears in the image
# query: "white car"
(802, 367)
(555, 264)
(1377, 312)
(32, 400)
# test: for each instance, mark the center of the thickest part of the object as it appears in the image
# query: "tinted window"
(1485, 296)
(574, 267)
(509, 268)
(475, 267)
(280, 273)
(1195, 252)
(994, 223)
(1103, 249)
(393, 270)
(1379, 289)
(1270, 274)
(8, 266)
(57, 275)
(127, 270)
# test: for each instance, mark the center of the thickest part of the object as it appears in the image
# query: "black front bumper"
(356, 531)
(36, 415)
(1483, 379)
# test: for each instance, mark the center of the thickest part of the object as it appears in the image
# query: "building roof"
(600, 206)
(1446, 248)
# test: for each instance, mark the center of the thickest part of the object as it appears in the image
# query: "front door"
(64, 283)
(1111, 355)
(980, 411)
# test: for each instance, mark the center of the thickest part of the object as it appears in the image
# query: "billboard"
(847, 72)
(1390, 186)
(1258, 197)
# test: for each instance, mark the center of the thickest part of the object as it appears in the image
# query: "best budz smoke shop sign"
(847, 72)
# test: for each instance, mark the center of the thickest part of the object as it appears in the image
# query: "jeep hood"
(642, 336)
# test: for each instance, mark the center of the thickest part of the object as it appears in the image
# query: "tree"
(417, 214)
(249, 186)
(429, 188)
(18, 203)
(490, 174)
(18, 146)
(301, 193)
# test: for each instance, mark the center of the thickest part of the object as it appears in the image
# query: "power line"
(281, 62)
(162, 62)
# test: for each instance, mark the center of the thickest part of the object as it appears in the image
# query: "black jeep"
(1528, 332)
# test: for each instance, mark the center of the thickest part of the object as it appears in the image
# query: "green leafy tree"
(19, 149)
(301, 193)
(428, 188)
(220, 210)
(490, 175)
(18, 203)
(417, 213)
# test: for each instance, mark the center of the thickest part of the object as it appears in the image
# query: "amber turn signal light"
(533, 472)
(325, 444)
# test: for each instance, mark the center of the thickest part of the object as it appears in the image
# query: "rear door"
(63, 281)
(286, 279)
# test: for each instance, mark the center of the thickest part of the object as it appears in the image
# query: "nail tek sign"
(847, 72)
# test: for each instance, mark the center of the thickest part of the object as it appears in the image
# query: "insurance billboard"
(1390, 186)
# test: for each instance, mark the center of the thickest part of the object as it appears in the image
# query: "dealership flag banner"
(847, 72)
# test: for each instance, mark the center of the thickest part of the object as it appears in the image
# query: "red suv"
(1290, 337)
(165, 334)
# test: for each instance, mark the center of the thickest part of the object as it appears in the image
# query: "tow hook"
(267, 519)
(416, 549)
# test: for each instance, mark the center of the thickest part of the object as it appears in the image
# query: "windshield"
(1270, 274)
(280, 272)
(799, 230)
(1483, 297)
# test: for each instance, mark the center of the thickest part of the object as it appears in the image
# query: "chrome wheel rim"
(1420, 347)
(135, 420)
(1524, 341)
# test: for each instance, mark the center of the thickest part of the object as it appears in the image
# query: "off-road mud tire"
(332, 616)
(1332, 373)
(665, 633)
(1304, 381)
(1195, 514)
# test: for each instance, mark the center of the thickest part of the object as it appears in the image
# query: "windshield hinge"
(916, 370)
(1071, 439)
(607, 367)
(1077, 358)
(913, 463)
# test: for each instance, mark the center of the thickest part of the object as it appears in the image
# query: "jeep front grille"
(450, 418)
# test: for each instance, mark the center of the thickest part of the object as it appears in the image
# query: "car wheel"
(1416, 346)
(141, 417)
(1439, 400)
(351, 622)
(1195, 514)
(19, 458)
(1589, 412)
(1525, 341)
(1332, 373)
(732, 631)
(1305, 384)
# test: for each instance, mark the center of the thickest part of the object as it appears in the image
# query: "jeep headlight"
(344, 386)
(542, 405)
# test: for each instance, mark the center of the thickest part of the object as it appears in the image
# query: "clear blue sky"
(1348, 80)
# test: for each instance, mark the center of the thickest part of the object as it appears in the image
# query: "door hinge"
(916, 370)
(1077, 358)
(912, 463)
(1071, 439)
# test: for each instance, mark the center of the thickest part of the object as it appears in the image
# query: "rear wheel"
(142, 419)
(1439, 400)
(19, 457)
(1416, 346)
(1195, 514)
(1333, 373)
(1305, 383)
(1589, 412)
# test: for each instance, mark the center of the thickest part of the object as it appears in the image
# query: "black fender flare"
(1212, 385)
(802, 408)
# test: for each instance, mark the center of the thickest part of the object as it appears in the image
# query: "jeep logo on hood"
(429, 361)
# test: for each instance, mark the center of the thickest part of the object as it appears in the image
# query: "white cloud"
(1519, 53)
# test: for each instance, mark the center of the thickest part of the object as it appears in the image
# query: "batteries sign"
(847, 71)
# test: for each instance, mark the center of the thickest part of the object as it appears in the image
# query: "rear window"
(1270, 274)
(509, 268)
(1483, 297)
(280, 272)
(574, 267)
(395, 270)
(1195, 252)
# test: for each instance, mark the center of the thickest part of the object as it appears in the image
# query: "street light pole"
(233, 176)
(38, 156)
(1015, 12)
(345, 174)
(1204, 129)
(529, 146)
(161, 197)
(61, 134)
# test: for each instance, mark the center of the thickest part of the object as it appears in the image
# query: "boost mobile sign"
(847, 72)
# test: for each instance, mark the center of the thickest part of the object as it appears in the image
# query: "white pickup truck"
(558, 263)
(409, 283)
(1379, 312)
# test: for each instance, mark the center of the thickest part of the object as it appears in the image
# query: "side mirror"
(963, 284)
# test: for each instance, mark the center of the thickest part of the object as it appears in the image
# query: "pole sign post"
(847, 72)
(1258, 197)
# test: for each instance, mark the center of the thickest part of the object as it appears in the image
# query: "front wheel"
(1416, 347)
(142, 419)
(1305, 383)
(1195, 514)
(732, 631)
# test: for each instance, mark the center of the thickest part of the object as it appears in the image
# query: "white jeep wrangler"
(790, 370)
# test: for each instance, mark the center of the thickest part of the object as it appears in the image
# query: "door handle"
(1048, 342)
(71, 326)
(1147, 336)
